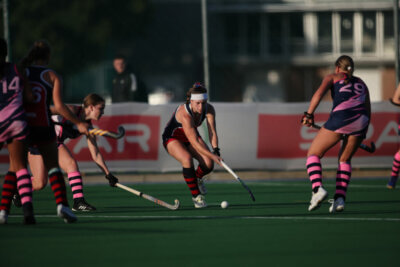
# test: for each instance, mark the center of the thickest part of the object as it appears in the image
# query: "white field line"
(286, 218)
(288, 184)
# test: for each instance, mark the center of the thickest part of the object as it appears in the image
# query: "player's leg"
(57, 183)
(395, 171)
(324, 140)
(17, 153)
(206, 165)
(70, 166)
(179, 151)
(39, 172)
(343, 175)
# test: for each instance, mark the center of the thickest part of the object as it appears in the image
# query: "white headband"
(199, 96)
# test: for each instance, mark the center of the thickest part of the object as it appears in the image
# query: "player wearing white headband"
(184, 143)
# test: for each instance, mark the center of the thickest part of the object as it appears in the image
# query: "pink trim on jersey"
(348, 104)
(355, 126)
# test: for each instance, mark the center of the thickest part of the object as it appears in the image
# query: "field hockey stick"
(370, 149)
(150, 198)
(97, 131)
(237, 178)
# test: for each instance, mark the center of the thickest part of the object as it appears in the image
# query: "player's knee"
(38, 184)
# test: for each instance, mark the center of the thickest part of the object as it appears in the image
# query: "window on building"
(388, 35)
(324, 32)
(346, 32)
(369, 32)
(232, 34)
(253, 34)
(275, 36)
(296, 34)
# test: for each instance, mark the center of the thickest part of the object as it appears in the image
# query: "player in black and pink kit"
(91, 109)
(183, 142)
(13, 132)
(47, 87)
(349, 120)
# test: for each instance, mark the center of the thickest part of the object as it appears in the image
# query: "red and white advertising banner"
(252, 136)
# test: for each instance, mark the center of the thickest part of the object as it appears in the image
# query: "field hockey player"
(183, 142)
(348, 121)
(91, 109)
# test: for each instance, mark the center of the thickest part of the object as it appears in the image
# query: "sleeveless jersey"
(174, 129)
(65, 128)
(12, 114)
(349, 113)
(38, 113)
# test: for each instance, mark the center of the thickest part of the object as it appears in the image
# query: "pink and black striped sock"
(24, 185)
(9, 189)
(57, 184)
(75, 181)
(314, 171)
(396, 166)
(190, 178)
(342, 179)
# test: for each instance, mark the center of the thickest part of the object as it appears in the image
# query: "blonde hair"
(197, 88)
(92, 100)
(346, 64)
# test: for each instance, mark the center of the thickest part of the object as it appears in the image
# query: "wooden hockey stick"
(370, 149)
(150, 198)
(97, 131)
(237, 178)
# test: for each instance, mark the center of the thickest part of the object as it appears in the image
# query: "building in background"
(259, 50)
(280, 50)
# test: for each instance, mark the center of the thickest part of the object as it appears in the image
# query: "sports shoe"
(337, 205)
(392, 183)
(3, 217)
(65, 213)
(317, 198)
(199, 202)
(29, 218)
(17, 200)
(81, 205)
(202, 186)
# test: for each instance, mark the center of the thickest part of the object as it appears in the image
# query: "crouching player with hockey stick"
(91, 109)
(348, 120)
(184, 143)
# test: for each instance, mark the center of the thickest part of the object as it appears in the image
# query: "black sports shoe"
(29, 218)
(17, 200)
(81, 205)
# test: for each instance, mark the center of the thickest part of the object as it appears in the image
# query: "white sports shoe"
(317, 199)
(337, 205)
(65, 213)
(3, 217)
(199, 202)
(202, 186)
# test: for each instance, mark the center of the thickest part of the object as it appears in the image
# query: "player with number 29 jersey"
(349, 113)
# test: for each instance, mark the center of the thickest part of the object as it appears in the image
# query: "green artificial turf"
(276, 230)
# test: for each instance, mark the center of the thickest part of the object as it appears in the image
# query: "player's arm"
(212, 129)
(191, 134)
(27, 92)
(327, 82)
(59, 105)
(99, 160)
(96, 155)
(54, 111)
(396, 96)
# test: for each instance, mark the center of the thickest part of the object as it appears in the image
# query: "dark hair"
(92, 99)
(346, 64)
(197, 88)
(3, 55)
(120, 56)
(40, 50)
